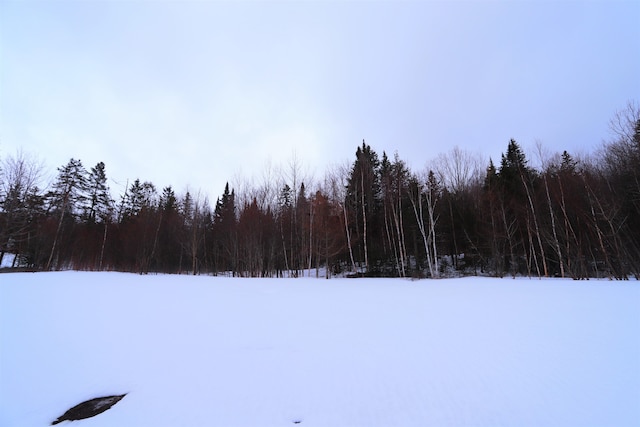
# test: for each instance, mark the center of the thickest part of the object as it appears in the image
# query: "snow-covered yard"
(207, 351)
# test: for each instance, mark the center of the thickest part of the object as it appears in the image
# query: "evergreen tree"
(67, 198)
(168, 201)
(286, 226)
(141, 219)
(363, 190)
(224, 232)
(513, 168)
(98, 209)
(285, 197)
(568, 165)
(518, 183)
(225, 211)
(68, 194)
(99, 206)
(139, 196)
(171, 233)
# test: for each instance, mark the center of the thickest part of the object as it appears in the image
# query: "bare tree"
(424, 193)
(19, 178)
(620, 171)
(394, 183)
(338, 177)
(458, 169)
(548, 168)
(624, 124)
(194, 209)
(294, 176)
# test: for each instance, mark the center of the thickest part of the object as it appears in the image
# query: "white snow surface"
(212, 351)
(7, 260)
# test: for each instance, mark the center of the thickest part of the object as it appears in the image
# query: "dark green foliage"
(363, 199)
(99, 206)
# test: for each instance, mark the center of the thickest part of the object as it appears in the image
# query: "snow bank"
(203, 351)
(7, 260)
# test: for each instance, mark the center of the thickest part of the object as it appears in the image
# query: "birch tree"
(362, 192)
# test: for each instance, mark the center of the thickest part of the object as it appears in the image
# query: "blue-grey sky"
(198, 92)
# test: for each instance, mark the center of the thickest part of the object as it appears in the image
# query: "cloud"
(188, 94)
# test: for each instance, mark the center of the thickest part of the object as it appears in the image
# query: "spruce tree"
(224, 232)
(99, 206)
(67, 198)
(363, 197)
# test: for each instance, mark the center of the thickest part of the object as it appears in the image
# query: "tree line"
(567, 217)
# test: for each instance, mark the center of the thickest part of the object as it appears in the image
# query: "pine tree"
(141, 219)
(67, 197)
(139, 196)
(513, 167)
(363, 190)
(224, 232)
(225, 211)
(68, 194)
(285, 224)
(518, 181)
(99, 206)
(168, 201)
(493, 206)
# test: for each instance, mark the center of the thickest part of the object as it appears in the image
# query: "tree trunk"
(391, 240)
(508, 228)
(537, 228)
(417, 210)
(55, 239)
(431, 205)
(364, 221)
(155, 244)
(104, 242)
(553, 227)
(346, 228)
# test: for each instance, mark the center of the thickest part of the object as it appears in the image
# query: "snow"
(213, 351)
(7, 260)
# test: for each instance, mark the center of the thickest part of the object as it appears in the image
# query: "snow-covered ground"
(206, 351)
(7, 260)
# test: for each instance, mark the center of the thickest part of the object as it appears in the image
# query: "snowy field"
(205, 351)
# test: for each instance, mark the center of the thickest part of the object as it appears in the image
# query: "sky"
(193, 94)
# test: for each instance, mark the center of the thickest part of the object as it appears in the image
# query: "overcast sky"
(197, 93)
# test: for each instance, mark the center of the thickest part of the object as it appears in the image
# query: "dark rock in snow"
(89, 409)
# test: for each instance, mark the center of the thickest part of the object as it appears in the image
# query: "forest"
(574, 216)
